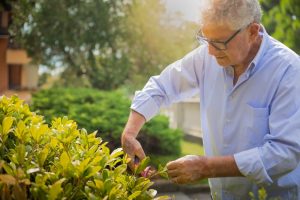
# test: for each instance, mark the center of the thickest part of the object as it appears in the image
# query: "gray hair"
(233, 13)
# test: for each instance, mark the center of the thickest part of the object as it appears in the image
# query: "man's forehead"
(216, 32)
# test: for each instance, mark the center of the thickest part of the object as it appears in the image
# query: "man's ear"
(254, 30)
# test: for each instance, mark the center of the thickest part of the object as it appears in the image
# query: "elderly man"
(249, 86)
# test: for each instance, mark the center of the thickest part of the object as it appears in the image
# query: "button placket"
(227, 129)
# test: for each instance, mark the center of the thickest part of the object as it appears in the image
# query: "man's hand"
(192, 168)
(188, 169)
(133, 149)
(129, 142)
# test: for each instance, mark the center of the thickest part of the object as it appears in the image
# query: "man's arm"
(192, 168)
(129, 142)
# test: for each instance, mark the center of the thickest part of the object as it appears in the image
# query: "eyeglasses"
(217, 44)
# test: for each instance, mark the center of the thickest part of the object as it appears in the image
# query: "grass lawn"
(191, 148)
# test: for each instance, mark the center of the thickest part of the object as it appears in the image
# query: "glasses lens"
(218, 45)
(203, 41)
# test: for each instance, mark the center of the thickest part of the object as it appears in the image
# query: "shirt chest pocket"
(258, 124)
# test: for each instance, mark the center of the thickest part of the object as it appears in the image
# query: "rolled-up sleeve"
(280, 152)
(251, 165)
(145, 105)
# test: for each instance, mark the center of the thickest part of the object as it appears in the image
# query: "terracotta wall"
(4, 18)
(3, 65)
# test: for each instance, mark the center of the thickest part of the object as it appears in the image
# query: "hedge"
(59, 161)
(107, 113)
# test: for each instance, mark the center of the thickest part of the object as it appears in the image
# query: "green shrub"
(60, 161)
(158, 138)
(107, 113)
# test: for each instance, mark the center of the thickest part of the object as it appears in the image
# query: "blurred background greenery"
(108, 44)
(108, 49)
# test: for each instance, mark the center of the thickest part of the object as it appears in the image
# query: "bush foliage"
(107, 113)
(60, 161)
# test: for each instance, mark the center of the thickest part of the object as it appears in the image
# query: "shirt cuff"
(250, 165)
(145, 105)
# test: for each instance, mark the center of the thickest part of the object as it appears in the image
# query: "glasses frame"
(214, 43)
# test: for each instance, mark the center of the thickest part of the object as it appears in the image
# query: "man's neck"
(239, 69)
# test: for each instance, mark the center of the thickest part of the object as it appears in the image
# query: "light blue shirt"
(257, 120)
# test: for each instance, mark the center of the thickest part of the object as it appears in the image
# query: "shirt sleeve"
(178, 81)
(280, 152)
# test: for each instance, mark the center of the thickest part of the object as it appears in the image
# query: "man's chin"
(223, 62)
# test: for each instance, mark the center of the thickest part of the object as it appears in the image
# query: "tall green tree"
(83, 37)
(102, 43)
(282, 20)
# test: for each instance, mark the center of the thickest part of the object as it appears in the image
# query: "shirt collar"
(254, 65)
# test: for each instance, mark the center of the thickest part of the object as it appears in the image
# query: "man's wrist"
(128, 135)
(222, 166)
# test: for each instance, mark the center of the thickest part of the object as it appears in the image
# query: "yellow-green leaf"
(55, 189)
(99, 184)
(42, 156)
(53, 143)
(83, 165)
(120, 169)
(116, 153)
(34, 133)
(64, 160)
(20, 150)
(96, 160)
(93, 149)
(19, 132)
(6, 125)
(142, 165)
(94, 171)
(134, 195)
(114, 191)
(8, 169)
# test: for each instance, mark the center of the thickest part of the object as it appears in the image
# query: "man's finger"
(140, 153)
(171, 165)
(173, 173)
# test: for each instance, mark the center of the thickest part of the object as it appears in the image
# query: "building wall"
(29, 74)
(30, 77)
(17, 57)
(186, 116)
(14, 76)
(3, 65)
(4, 18)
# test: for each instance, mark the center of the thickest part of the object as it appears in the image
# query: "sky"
(189, 8)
